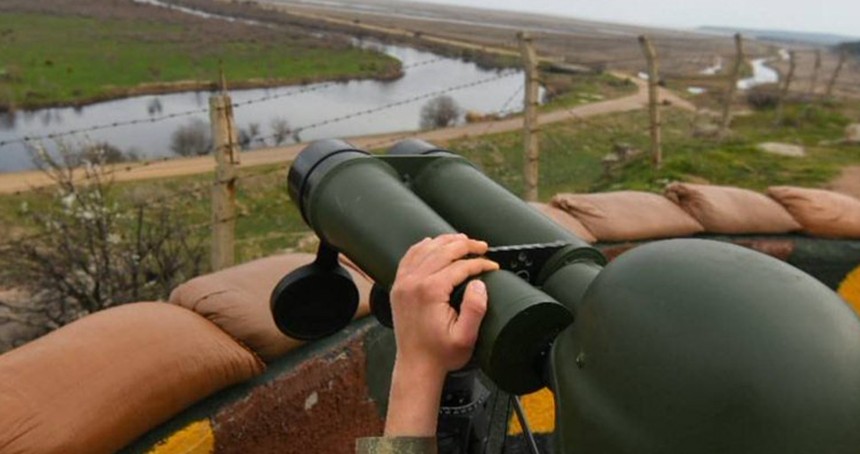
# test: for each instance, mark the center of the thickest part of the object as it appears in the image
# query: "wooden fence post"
(732, 86)
(653, 101)
(832, 82)
(226, 152)
(786, 86)
(530, 123)
(811, 91)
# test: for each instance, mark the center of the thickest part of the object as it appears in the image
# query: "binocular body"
(678, 346)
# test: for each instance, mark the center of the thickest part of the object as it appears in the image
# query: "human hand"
(428, 330)
(432, 338)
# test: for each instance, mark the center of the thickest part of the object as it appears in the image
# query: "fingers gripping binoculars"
(677, 346)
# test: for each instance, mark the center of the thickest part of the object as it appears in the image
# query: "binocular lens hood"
(313, 163)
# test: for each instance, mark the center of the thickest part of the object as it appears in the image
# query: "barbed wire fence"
(689, 52)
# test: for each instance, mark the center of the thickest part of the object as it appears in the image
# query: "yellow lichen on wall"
(539, 408)
(850, 289)
(195, 438)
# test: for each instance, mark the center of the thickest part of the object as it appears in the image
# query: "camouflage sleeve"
(396, 445)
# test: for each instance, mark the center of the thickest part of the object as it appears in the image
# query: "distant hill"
(853, 47)
(819, 39)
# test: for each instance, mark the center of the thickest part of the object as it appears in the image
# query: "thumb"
(472, 311)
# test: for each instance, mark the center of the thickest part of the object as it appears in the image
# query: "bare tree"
(88, 253)
(106, 153)
(440, 112)
(280, 130)
(192, 139)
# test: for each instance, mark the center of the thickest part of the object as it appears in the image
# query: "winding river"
(304, 107)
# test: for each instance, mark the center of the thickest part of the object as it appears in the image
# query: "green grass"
(571, 154)
(568, 91)
(46, 59)
(268, 221)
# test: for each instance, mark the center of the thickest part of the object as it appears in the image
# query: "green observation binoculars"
(678, 346)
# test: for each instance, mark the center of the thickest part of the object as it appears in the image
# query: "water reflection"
(299, 106)
(154, 107)
(8, 120)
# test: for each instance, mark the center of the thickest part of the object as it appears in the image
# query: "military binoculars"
(678, 346)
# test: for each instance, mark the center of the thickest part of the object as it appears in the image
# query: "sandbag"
(820, 212)
(237, 300)
(723, 209)
(565, 220)
(97, 384)
(627, 215)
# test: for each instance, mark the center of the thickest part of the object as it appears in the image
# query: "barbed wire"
(324, 85)
(504, 109)
(197, 111)
(503, 74)
(412, 134)
(160, 201)
(112, 125)
(198, 190)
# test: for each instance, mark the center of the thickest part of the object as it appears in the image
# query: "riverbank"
(496, 56)
(64, 53)
(23, 182)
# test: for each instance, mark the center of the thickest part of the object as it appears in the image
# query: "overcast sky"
(826, 16)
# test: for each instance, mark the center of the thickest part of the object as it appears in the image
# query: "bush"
(192, 139)
(440, 112)
(763, 97)
(86, 253)
(280, 130)
(105, 153)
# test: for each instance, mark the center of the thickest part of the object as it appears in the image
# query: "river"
(303, 107)
(761, 74)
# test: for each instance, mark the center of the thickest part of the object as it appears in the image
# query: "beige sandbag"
(723, 209)
(627, 215)
(821, 213)
(97, 384)
(565, 220)
(237, 300)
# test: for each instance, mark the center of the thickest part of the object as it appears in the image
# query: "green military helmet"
(696, 347)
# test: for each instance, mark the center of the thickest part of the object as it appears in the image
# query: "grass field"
(571, 152)
(568, 91)
(61, 57)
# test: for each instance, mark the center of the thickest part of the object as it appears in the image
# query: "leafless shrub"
(88, 253)
(440, 112)
(104, 152)
(247, 136)
(763, 97)
(192, 139)
(280, 130)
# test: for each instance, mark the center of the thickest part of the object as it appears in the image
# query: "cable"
(117, 124)
(373, 110)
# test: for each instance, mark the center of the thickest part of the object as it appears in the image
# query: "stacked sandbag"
(237, 299)
(627, 215)
(729, 210)
(97, 384)
(821, 213)
(565, 220)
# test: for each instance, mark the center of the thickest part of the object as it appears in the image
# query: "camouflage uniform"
(396, 445)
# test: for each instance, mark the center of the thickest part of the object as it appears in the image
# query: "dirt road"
(23, 181)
